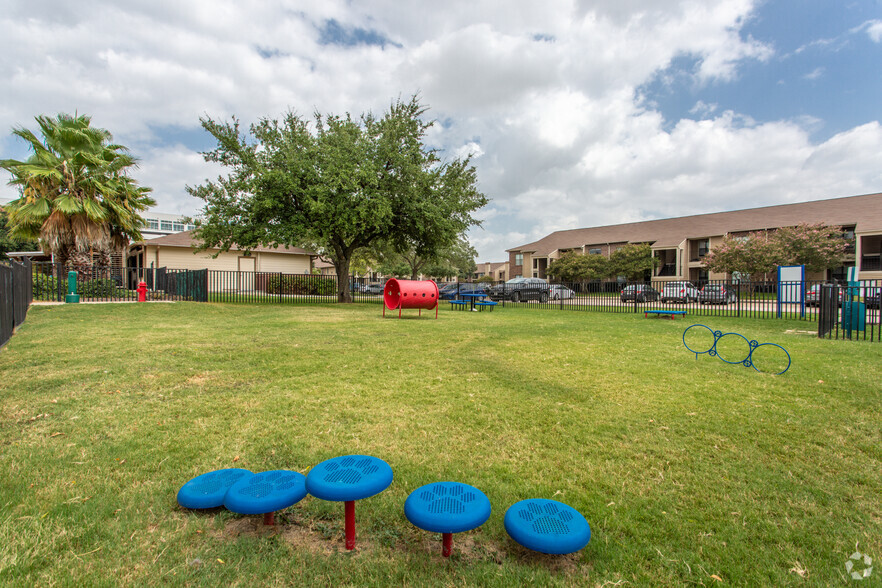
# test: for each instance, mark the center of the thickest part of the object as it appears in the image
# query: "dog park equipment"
(664, 312)
(402, 294)
(142, 291)
(447, 508)
(752, 346)
(346, 479)
(547, 526)
(209, 490)
(265, 493)
(72, 296)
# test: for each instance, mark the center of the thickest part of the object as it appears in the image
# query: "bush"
(308, 285)
(45, 287)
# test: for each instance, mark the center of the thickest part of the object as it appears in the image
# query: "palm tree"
(76, 194)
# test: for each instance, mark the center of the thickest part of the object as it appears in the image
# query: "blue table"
(447, 508)
(265, 493)
(547, 526)
(347, 479)
(208, 490)
(472, 297)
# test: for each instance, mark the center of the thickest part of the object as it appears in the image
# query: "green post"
(72, 295)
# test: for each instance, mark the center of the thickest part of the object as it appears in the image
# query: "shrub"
(309, 285)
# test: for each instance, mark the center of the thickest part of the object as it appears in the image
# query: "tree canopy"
(576, 267)
(337, 187)
(77, 197)
(633, 261)
(817, 246)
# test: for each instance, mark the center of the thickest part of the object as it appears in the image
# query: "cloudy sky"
(577, 113)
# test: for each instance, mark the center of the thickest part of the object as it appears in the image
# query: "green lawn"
(689, 470)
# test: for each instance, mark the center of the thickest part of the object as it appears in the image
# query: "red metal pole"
(269, 518)
(350, 524)
(446, 544)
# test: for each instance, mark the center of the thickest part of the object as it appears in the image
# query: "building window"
(165, 225)
(152, 223)
(519, 259)
(177, 226)
(594, 251)
(191, 227)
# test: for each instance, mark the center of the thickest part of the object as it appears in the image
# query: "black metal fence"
(853, 313)
(15, 296)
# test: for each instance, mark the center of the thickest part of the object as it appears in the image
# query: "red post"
(269, 518)
(350, 524)
(142, 291)
(446, 544)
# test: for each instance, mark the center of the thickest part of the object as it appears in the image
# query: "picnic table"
(477, 299)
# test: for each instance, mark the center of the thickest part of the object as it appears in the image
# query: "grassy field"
(689, 470)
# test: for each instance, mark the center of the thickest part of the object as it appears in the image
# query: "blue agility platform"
(447, 508)
(266, 492)
(209, 489)
(350, 477)
(347, 479)
(547, 526)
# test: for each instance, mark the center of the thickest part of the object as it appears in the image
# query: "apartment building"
(680, 244)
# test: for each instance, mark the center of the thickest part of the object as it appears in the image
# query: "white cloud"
(874, 30)
(544, 95)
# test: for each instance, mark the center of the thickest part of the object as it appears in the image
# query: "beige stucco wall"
(184, 258)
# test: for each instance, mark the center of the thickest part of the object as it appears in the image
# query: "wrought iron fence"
(15, 296)
(855, 313)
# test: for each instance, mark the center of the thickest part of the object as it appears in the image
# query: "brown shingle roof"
(186, 239)
(864, 212)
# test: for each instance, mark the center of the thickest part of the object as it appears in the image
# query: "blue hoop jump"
(547, 526)
(752, 345)
(447, 508)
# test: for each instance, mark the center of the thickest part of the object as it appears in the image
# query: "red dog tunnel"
(410, 294)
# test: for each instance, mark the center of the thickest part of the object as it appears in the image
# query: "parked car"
(679, 292)
(813, 295)
(518, 289)
(716, 294)
(560, 292)
(453, 290)
(376, 288)
(639, 292)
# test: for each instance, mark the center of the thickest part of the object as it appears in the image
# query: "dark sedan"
(456, 289)
(518, 289)
(639, 293)
(716, 294)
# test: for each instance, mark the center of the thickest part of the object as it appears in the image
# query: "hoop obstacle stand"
(418, 294)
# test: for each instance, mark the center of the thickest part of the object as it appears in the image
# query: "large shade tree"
(817, 246)
(336, 187)
(76, 194)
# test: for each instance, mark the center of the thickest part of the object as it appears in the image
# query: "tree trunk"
(341, 265)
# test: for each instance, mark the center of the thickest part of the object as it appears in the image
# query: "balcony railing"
(871, 263)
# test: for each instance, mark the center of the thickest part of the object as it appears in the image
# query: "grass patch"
(688, 469)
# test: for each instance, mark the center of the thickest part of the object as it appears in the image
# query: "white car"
(679, 292)
(560, 292)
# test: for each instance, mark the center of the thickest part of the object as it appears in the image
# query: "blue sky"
(576, 112)
(825, 67)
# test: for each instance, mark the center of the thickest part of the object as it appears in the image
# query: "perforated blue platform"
(209, 490)
(350, 477)
(447, 507)
(266, 492)
(547, 526)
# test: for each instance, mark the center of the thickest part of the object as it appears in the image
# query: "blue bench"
(670, 313)
(461, 304)
(488, 305)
